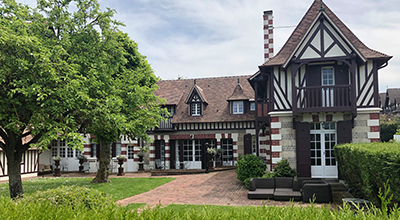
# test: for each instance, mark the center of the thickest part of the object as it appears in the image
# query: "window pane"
(62, 152)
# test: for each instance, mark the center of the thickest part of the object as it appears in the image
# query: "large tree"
(64, 72)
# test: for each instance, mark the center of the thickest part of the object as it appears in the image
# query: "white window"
(196, 109)
(54, 150)
(252, 106)
(171, 110)
(328, 77)
(237, 107)
(62, 152)
(70, 152)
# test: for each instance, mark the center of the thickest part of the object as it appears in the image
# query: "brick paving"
(216, 188)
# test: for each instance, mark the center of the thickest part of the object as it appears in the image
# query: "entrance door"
(130, 159)
(192, 154)
(322, 141)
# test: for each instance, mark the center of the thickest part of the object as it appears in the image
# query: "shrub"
(283, 169)
(368, 166)
(72, 196)
(387, 130)
(268, 175)
(250, 165)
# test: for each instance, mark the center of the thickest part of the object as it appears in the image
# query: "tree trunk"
(14, 174)
(104, 164)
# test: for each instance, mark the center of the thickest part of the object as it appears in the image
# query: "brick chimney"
(268, 35)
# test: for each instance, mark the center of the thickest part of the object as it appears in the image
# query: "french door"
(322, 141)
(192, 154)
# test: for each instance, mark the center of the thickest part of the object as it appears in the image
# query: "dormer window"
(196, 109)
(237, 107)
(196, 101)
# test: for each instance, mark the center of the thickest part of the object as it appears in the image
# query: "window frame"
(195, 109)
(237, 107)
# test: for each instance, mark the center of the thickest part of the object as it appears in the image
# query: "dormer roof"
(216, 89)
(237, 94)
(304, 27)
(196, 90)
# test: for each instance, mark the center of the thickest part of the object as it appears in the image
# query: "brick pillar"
(374, 129)
(276, 137)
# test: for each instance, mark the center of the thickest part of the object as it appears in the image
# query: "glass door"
(322, 141)
(192, 154)
(328, 79)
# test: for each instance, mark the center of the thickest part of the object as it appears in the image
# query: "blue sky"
(210, 38)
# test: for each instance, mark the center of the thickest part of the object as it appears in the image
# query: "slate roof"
(217, 90)
(394, 96)
(302, 28)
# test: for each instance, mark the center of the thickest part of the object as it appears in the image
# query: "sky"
(212, 38)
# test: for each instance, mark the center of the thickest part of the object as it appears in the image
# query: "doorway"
(322, 140)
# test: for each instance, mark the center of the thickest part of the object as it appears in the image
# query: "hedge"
(368, 166)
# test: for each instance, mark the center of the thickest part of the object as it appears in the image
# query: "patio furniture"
(159, 165)
(318, 189)
(284, 189)
(261, 188)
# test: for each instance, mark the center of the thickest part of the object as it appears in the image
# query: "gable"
(323, 41)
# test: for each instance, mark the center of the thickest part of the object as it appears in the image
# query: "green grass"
(118, 188)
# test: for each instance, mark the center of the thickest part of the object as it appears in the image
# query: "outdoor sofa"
(288, 188)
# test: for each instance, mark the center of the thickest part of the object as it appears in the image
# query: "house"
(391, 101)
(319, 90)
(29, 162)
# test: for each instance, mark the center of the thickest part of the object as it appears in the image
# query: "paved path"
(216, 188)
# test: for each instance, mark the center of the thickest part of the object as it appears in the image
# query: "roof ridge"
(212, 77)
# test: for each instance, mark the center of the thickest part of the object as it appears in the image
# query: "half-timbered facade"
(321, 89)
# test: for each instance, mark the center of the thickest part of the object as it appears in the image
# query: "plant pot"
(120, 162)
(140, 158)
(57, 163)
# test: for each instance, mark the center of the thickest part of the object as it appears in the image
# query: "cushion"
(47, 167)
(261, 194)
(284, 182)
(287, 194)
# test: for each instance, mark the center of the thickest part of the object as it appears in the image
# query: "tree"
(63, 73)
(39, 90)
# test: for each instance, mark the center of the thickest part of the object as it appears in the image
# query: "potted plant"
(57, 160)
(142, 152)
(212, 152)
(82, 159)
(219, 153)
(121, 159)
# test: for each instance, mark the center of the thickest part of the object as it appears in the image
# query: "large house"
(320, 90)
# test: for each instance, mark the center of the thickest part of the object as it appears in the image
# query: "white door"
(328, 79)
(192, 154)
(130, 159)
(323, 139)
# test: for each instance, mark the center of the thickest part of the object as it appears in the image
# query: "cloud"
(201, 38)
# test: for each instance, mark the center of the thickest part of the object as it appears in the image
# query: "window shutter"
(344, 132)
(172, 154)
(248, 144)
(158, 149)
(98, 150)
(303, 149)
(92, 146)
(113, 150)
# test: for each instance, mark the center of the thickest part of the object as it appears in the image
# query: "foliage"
(389, 125)
(81, 157)
(283, 169)
(57, 158)
(369, 166)
(211, 151)
(268, 175)
(118, 188)
(250, 165)
(247, 182)
(72, 196)
(121, 157)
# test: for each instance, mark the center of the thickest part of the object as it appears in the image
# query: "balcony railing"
(323, 98)
(165, 125)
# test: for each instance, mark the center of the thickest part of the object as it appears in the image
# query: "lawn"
(118, 188)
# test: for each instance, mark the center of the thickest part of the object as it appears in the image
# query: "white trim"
(276, 148)
(283, 113)
(276, 125)
(373, 122)
(276, 137)
(276, 160)
(374, 135)
(368, 110)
